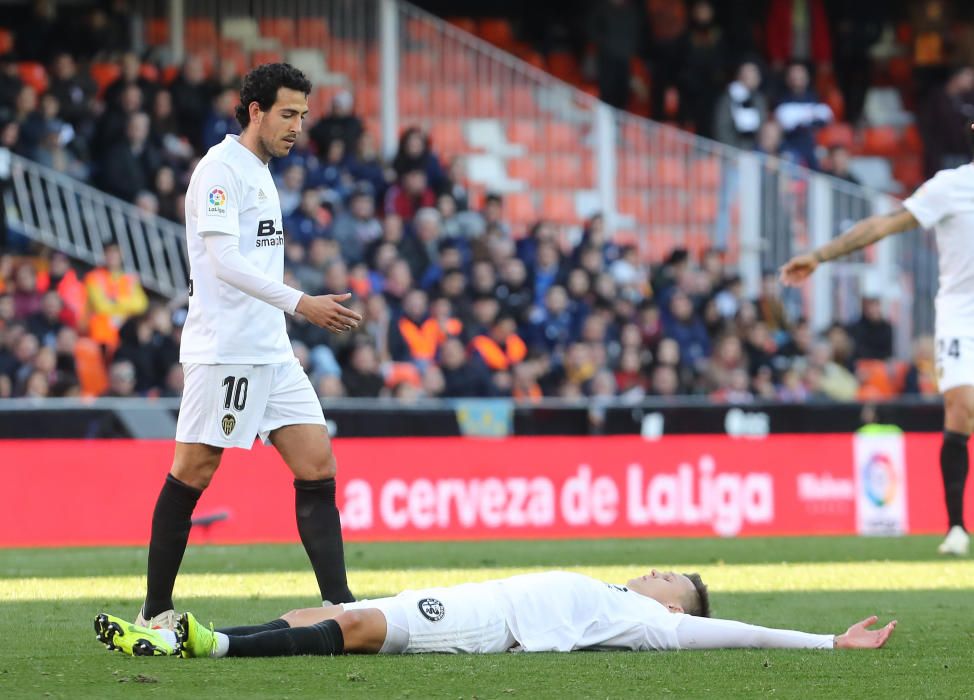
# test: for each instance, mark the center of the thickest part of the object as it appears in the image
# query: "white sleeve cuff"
(233, 268)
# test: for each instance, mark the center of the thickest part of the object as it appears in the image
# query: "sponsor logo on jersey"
(216, 202)
(432, 609)
(228, 424)
(268, 235)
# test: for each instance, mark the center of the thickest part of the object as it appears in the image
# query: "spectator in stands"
(171, 203)
(366, 167)
(52, 153)
(921, 375)
(410, 194)
(801, 114)
(357, 227)
(858, 26)
(191, 95)
(175, 148)
(664, 381)
(26, 295)
(798, 30)
(290, 188)
(462, 377)
(839, 165)
(943, 118)
(332, 172)
(74, 91)
(10, 86)
(26, 115)
(47, 322)
(362, 377)
(704, 73)
(113, 296)
(872, 335)
(114, 121)
(827, 378)
(221, 120)
(311, 220)
(741, 109)
(340, 123)
(121, 380)
(38, 36)
(414, 153)
(71, 290)
(501, 348)
(130, 166)
(931, 22)
(131, 74)
(617, 29)
(683, 325)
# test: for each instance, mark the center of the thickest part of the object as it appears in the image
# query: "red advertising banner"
(55, 493)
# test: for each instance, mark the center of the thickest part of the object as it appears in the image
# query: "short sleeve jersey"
(562, 611)
(945, 203)
(232, 192)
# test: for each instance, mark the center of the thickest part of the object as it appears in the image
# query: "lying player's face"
(666, 587)
(281, 124)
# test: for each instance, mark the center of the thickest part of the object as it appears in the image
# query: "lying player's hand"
(327, 311)
(797, 270)
(858, 637)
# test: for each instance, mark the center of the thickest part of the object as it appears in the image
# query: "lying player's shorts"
(455, 620)
(228, 405)
(955, 361)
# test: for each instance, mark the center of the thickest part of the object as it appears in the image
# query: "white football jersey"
(232, 192)
(562, 611)
(945, 203)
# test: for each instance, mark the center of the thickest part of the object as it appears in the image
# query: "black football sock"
(321, 534)
(322, 639)
(170, 532)
(244, 630)
(953, 468)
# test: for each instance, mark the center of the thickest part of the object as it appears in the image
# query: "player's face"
(666, 587)
(280, 125)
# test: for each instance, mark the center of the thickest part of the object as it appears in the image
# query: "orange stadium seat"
(446, 101)
(564, 171)
(157, 31)
(413, 101)
(519, 208)
(201, 33)
(526, 133)
(526, 169)
(529, 55)
(703, 207)
(6, 40)
(520, 100)
(881, 141)
(634, 170)
(836, 134)
(909, 171)
(467, 24)
(911, 139)
(559, 206)
(319, 101)
(456, 67)
(563, 65)
(697, 241)
(266, 56)
(33, 74)
(373, 63)
(497, 31)
(705, 173)
(668, 209)
(635, 135)
(104, 74)
(312, 32)
(280, 28)
(417, 29)
(367, 100)
(446, 137)
(481, 100)
(669, 172)
(562, 138)
(418, 66)
(634, 203)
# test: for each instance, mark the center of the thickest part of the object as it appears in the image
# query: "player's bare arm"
(328, 312)
(862, 234)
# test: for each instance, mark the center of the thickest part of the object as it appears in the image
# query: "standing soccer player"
(242, 379)
(944, 203)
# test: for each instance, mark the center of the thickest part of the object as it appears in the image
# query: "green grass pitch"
(49, 597)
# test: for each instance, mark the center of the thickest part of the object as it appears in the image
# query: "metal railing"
(68, 215)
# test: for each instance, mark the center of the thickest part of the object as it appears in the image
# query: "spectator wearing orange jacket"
(113, 296)
(502, 348)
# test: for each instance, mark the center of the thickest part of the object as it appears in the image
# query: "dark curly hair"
(262, 83)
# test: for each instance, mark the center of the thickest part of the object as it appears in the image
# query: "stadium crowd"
(455, 304)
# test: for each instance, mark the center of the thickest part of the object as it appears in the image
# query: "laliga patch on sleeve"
(216, 202)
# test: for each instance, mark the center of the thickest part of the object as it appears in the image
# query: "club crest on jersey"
(432, 609)
(228, 424)
(216, 202)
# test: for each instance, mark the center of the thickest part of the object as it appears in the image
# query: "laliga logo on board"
(879, 479)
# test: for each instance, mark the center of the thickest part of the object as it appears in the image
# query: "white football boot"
(957, 542)
(166, 620)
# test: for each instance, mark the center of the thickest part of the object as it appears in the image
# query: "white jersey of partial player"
(945, 203)
(562, 611)
(232, 192)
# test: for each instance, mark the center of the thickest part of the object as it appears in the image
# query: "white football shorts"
(955, 361)
(229, 405)
(456, 620)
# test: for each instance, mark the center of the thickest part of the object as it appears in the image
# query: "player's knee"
(291, 617)
(196, 474)
(352, 622)
(320, 467)
(959, 412)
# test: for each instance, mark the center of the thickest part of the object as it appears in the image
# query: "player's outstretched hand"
(798, 269)
(327, 311)
(859, 637)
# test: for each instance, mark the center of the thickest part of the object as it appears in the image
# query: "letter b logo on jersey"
(266, 228)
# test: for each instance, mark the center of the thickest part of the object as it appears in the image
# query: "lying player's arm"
(862, 234)
(708, 633)
(234, 269)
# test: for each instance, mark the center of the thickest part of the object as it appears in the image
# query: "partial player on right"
(945, 203)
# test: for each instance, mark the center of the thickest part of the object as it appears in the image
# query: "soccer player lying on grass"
(552, 611)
